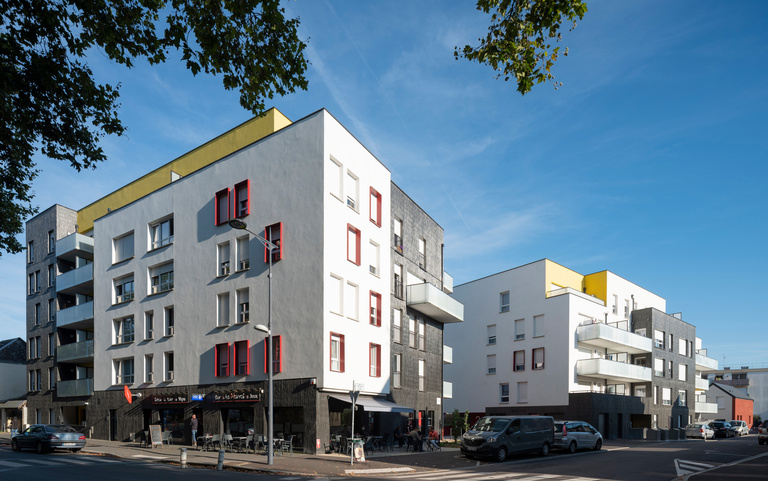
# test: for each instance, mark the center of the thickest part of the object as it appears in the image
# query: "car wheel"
(598, 444)
(501, 454)
(15, 446)
(572, 447)
(39, 448)
(545, 449)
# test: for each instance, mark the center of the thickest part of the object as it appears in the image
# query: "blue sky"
(648, 162)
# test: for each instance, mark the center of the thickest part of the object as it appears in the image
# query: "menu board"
(155, 435)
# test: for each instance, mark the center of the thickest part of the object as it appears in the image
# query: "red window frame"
(356, 231)
(514, 361)
(247, 184)
(376, 220)
(377, 360)
(277, 354)
(220, 195)
(217, 369)
(375, 318)
(241, 346)
(274, 231)
(341, 352)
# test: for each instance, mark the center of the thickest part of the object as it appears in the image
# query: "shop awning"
(13, 404)
(376, 404)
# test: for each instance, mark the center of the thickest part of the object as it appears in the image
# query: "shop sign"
(236, 396)
(197, 397)
(172, 398)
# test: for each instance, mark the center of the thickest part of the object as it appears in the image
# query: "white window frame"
(161, 278)
(504, 393)
(490, 361)
(352, 189)
(122, 294)
(397, 325)
(168, 366)
(336, 178)
(169, 318)
(491, 332)
(222, 259)
(520, 329)
(222, 309)
(120, 370)
(125, 330)
(374, 263)
(243, 306)
(123, 248)
(161, 233)
(336, 295)
(352, 301)
(504, 301)
(149, 368)
(397, 370)
(243, 246)
(149, 325)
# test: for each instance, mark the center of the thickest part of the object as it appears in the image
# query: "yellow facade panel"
(560, 276)
(597, 285)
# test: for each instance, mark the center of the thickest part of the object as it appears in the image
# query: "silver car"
(699, 430)
(740, 427)
(573, 435)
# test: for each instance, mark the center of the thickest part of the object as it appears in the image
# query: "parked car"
(498, 436)
(573, 435)
(762, 432)
(722, 429)
(699, 430)
(46, 437)
(740, 427)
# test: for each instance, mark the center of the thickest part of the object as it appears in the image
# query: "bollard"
(183, 458)
(220, 466)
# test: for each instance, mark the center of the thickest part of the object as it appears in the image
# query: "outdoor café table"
(239, 443)
(204, 442)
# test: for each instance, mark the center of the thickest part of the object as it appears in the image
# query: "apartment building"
(544, 339)
(732, 404)
(751, 381)
(158, 294)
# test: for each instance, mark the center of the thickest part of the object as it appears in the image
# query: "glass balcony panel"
(74, 317)
(75, 352)
(619, 372)
(705, 408)
(604, 336)
(77, 387)
(704, 363)
(435, 303)
(74, 245)
(447, 390)
(74, 280)
(447, 354)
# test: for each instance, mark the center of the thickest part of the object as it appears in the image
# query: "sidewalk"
(298, 464)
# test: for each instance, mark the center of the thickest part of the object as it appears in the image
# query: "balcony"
(447, 354)
(704, 363)
(705, 408)
(75, 352)
(76, 317)
(701, 384)
(74, 245)
(76, 279)
(567, 290)
(734, 382)
(612, 370)
(447, 390)
(435, 303)
(75, 388)
(604, 336)
(447, 283)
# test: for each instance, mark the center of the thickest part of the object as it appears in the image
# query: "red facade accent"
(242, 198)
(274, 234)
(221, 351)
(375, 308)
(375, 207)
(277, 354)
(221, 207)
(354, 230)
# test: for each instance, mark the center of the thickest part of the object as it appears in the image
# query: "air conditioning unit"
(170, 376)
(150, 334)
(244, 264)
(170, 331)
(150, 377)
(243, 317)
(225, 269)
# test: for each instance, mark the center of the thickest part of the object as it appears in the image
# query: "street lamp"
(238, 224)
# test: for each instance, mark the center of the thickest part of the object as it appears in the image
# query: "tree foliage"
(519, 41)
(50, 102)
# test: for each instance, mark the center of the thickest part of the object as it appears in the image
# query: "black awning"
(373, 404)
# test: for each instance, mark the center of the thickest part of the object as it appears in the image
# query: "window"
(51, 310)
(658, 367)
(123, 330)
(682, 347)
(519, 329)
(682, 398)
(504, 301)
(658, 339)
(666, 396)
(351, 301)
(398, 281)
(411, 330)
(161, 278)
(51, 275)
(243, 198)
(223, 259)
(375, 207)
(504, 392)
(37, 281)
(31, 345)
(222, 301)
(538, 358)
(243, 254)
(38, 347)
(169, 321)
(337, 352)
(149, 370)
(422, 335)
(221, 352)
(242, 360)
(31, 284)
(397, 327)
(353, 244)
(277, 354)
(31, 251)
(397, 370)
(51, 379)
(122, 248)
(149, 325)
(123, 289)
(422, 253)
(615, 306)
(168, 358)
(671, 368)
(491, 334)
(490, 361)
(334, 173)
(37, 314)
(335, 299)
(274, 234)
(352, 191)
(222, 207)
(51, 344)
(538, 325)
(626, 308)
(374, 360)
(671, 344)
(519, 360)
(243, 306)
(51, 241)
(655, 394)
(640, 391)
(522, 392)
(375, 307)
(374, 259)
(398, 236)
(422, 371)
(161, 233)
(32, 386)
(682, 372)
(123, 371)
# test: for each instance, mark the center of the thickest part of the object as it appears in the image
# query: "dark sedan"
(46, 437)
(722, 429)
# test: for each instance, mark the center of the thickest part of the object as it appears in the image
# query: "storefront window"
(173, 420)
(240, 422)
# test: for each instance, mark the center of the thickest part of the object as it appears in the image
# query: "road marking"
(73, 461)
(683, 467)
(11, 464)
(378, 471)
(40, 461)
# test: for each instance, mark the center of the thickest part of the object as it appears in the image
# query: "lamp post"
(238, 224)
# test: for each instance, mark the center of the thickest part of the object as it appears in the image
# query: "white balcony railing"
(447, 354)
(701, 384)
(705, 408)
(604, 336)
(447, 283)
(433, 302)
(447, 390)
(612, 370)
(704, 363)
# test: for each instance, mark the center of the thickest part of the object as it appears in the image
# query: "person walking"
(15, 426)
(193, 427)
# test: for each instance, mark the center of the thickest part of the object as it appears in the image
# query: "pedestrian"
(193, 427)
(14, 426)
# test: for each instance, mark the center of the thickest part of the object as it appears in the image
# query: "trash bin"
(358, 450)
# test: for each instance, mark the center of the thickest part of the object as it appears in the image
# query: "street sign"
(353, 396)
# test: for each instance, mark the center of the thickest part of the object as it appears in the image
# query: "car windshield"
(491, 425)
(63, 428)
(717, 425)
